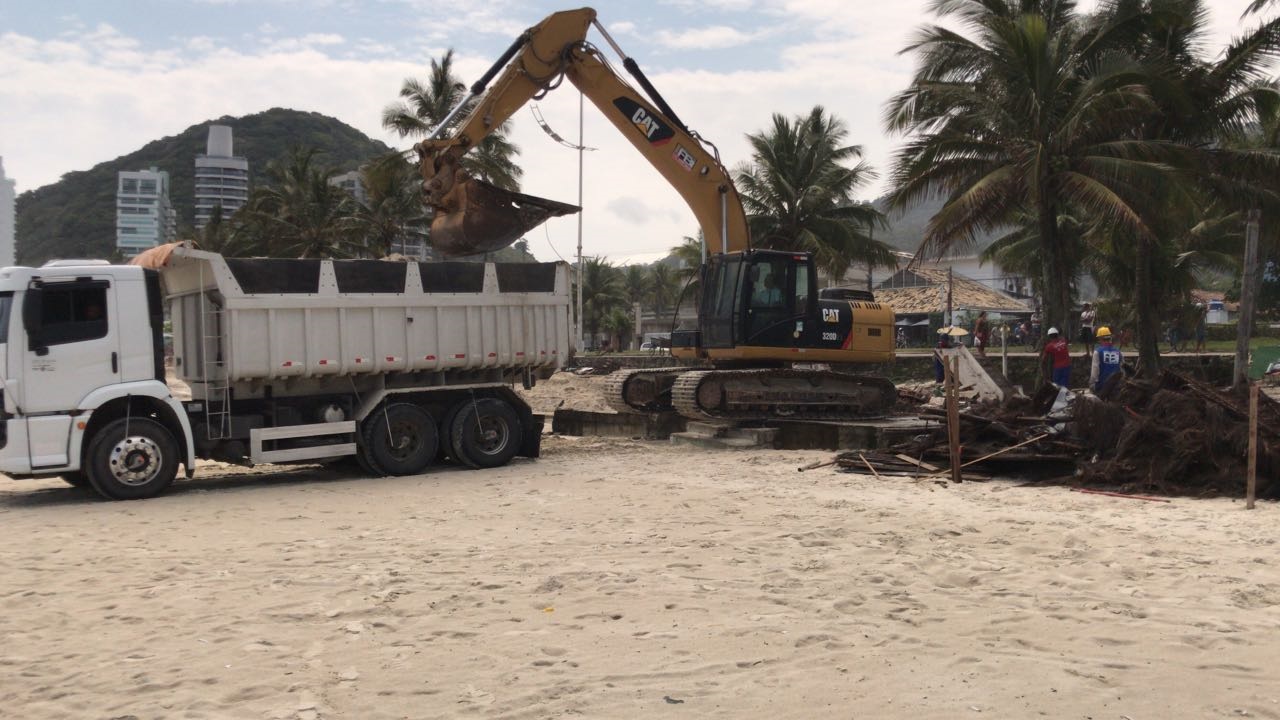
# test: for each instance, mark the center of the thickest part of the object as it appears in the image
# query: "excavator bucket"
(489, 218)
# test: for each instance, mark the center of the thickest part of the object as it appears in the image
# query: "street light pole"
(581, 147)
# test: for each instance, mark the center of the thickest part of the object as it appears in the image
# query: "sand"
(625, 579)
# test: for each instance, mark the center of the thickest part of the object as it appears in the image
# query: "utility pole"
(1248, 298)
(581, 148)
(950, 321)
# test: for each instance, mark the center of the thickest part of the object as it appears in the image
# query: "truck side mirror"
(33, 320)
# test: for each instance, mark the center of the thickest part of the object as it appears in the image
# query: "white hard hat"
(1053, 331)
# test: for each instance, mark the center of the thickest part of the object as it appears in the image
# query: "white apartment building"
(144, 216)
(222, 179)
(8, 192)
(353, 184)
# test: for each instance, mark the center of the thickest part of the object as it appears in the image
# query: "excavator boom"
(473, 216)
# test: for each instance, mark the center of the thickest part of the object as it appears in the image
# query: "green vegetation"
(76, 217)
(1104, 142)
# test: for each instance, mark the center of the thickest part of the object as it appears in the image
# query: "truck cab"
(82, 350)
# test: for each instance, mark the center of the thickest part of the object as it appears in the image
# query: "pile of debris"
(1171, 436)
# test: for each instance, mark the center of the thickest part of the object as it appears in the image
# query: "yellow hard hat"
(1104, 331)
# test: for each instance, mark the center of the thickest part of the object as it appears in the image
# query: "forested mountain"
(75, 217)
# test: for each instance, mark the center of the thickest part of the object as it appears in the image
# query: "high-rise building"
(353, 184)
(144, 216)
(7, 193)
(222, 179)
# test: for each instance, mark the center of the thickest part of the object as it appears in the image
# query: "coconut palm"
(1024, 117)
(392, 214)
(425, 106)
(635, 283)
(798, 193)
(1213, 110)
(619, 324)
(602, 292)
(664, 286)
(298, 213)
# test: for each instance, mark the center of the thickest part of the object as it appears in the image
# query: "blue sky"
(84, 81)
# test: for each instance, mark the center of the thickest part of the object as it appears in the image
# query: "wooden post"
(1248, 296)
(1251, 490)
(1004, 349)
(952, 366)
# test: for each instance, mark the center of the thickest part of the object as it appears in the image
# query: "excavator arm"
(473, 216)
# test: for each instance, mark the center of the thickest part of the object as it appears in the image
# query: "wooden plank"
(953, 416)
(869, 465)
(1251, 488)
(920, 464)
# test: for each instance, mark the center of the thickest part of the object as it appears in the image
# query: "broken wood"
(1120, 495)
(816, 464)
(869, 466)
(919, 463)
(988, 456)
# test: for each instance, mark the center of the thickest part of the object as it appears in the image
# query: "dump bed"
(239, 320)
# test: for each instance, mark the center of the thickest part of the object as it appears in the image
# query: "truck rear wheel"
(401, 439)
(131, 458)
(485, 433)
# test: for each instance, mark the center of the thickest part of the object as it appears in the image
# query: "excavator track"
(781, 394)
(640, 391)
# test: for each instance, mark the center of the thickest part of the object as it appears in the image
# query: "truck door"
(71, 350)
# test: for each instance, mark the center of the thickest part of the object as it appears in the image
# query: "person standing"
(1106, 360)
(939, 372)
(1058, 352)
(1202, 329)
(981, 333)
(1088, 317)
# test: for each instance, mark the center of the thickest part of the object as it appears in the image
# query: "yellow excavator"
(760, 313)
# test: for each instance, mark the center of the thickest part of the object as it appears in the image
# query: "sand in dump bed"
(621, 579)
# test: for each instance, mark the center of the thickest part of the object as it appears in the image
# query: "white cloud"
(622, 27)
(708, 38)
(74, 101)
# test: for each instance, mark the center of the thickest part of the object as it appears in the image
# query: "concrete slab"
(859, 435)
(651, 426)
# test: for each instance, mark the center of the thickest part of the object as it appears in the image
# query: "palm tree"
(426, 105)
(635, 282)
(664, 286)
(689, 254)
(602, 292)
(392, 214)
(298, 213)
(619, 324)
(798, 193)
(1208, 109)
(1026, 119)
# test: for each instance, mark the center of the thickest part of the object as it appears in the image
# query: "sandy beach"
(624, 579)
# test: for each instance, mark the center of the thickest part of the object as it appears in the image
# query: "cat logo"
(647, 122)
(831, 315)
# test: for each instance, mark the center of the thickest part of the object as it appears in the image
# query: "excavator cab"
(757, 304)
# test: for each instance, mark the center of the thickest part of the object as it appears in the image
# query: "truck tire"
(486, 433)
(401, 439)
(75, 479)
(132, 466)
(446, 435)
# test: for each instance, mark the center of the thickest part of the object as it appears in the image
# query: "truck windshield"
(6, 302)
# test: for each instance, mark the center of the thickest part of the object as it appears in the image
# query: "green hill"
(907, 228)
(76, 216)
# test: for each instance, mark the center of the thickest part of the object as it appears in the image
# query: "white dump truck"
(397, 364)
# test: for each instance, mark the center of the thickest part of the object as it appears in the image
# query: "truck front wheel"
(132, 458)
(401, 439)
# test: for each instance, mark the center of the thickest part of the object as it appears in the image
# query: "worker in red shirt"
(1059, 352)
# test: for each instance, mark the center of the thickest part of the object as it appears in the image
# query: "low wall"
(1024, 368)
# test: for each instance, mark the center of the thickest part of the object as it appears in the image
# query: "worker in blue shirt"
(1106, 359)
